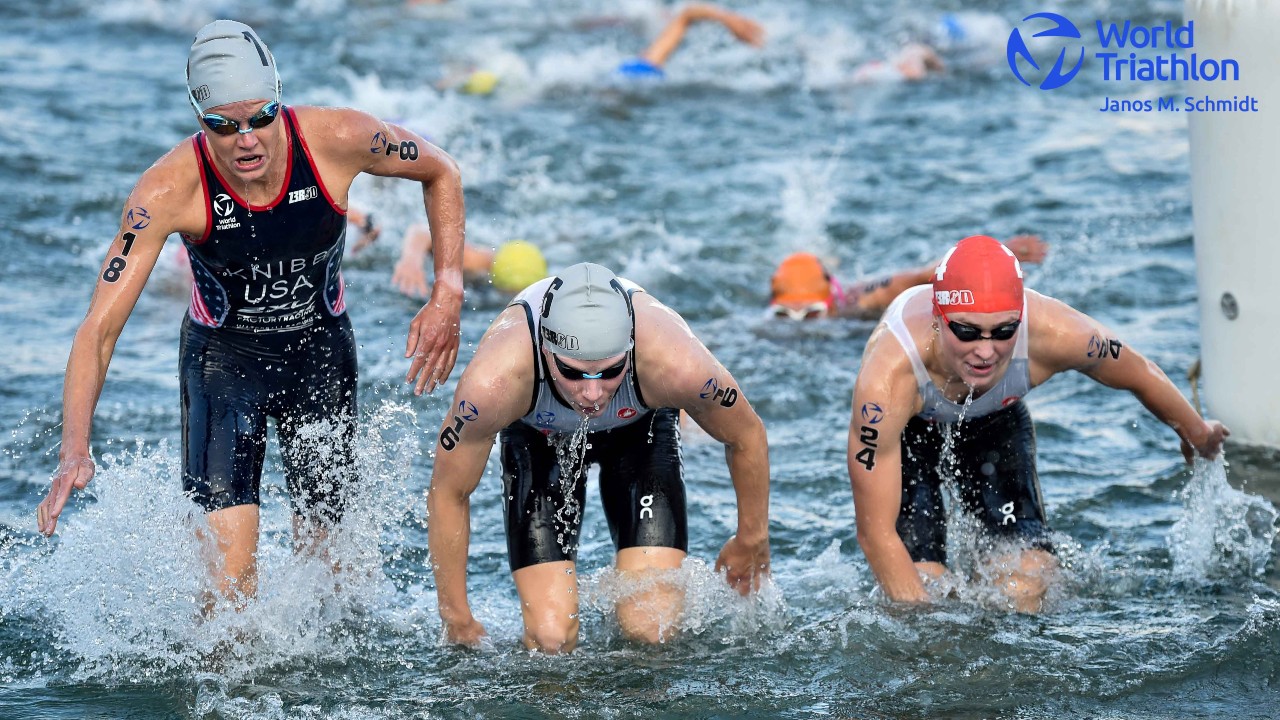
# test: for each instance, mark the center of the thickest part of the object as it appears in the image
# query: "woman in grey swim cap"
(259, 197)
(588, 369)
(234, 88)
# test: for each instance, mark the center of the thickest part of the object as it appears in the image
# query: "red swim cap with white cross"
(978, 275)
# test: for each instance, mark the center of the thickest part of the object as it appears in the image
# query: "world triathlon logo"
(223, 205)
(1062, 28)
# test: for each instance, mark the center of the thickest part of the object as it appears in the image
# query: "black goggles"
(226, 126)
(575, 374)
(969, 333)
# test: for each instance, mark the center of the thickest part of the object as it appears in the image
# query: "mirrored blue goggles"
(226, 126)
(574, 374)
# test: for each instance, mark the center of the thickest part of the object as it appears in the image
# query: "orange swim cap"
(978, 275)
(800, 279)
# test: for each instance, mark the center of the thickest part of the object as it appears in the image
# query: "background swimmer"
(511, 267)
(803, 289)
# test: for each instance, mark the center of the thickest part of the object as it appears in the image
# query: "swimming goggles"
(226, 126)
(576, 374)
(812, 311)
(968, 333)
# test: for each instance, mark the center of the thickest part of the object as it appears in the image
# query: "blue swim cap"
(639, 69)
(952, 26)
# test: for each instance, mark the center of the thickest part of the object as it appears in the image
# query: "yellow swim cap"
(480, 82)
(517, 265)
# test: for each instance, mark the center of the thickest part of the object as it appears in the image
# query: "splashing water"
(710, 604)
(978, 562)
(808, 199)
(571, 453)
(134, 547)
(1223, 532)
(119, 591)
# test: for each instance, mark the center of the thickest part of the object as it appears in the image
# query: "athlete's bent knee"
(1027, 584)
(643, 627)
(552, 638)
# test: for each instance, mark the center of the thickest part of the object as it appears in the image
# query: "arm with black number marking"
(884, 399)
(676, 370)
(493, 392)
(1066, 339)
(434, 332)
(161, 203)
(348, 142)
(460, 462)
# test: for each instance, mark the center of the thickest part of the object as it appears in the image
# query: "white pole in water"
(1235, 201)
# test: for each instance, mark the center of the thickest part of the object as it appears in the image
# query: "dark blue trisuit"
(267, 336)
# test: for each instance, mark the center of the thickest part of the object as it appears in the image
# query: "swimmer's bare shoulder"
(499, 379)
(172, 192)
(664, 343)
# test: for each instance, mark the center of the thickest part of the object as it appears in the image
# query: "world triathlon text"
(1161, 67)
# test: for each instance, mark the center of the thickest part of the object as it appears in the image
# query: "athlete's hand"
(745, 564)
(1028, 248)
(468, 632)
(433, 339)
(369, 230)
(409, 277)
(73, 473)
(1213, 434)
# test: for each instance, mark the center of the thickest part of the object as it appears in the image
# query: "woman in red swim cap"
(951, 361)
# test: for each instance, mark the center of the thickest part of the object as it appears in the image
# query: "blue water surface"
(695, 186)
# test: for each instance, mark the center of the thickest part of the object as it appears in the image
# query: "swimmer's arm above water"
(409, 277)
(742, 28)
(164, 201)
(493, 392)
(884, 399)
(1066, 338)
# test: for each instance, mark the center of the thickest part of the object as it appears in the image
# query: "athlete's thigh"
(542, 508)
(548, 591)
(224, 425)
(642, 483)
(922, 515)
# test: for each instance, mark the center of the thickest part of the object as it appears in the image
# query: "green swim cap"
(480, 82)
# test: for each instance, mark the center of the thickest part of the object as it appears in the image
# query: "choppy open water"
(1170, 604)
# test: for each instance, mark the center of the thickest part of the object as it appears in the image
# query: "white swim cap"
(586, 314)
(229, 63)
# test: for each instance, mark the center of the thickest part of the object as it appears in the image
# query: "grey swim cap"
(586, 314)
(229, 63)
